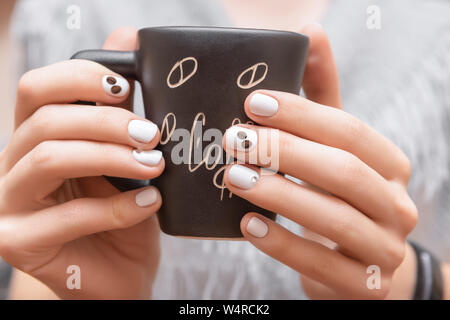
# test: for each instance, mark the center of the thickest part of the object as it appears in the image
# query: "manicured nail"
(146, 197)
(263, 105)
(142, 131)
(257, 228)
(150, 157)
(115, 86)
(241, 139)
(242, 176)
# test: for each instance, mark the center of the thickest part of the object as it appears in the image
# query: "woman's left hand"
(356, 193)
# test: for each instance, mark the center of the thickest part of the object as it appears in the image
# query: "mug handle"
(124, 63)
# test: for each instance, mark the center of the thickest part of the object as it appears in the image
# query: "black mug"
(194, 79)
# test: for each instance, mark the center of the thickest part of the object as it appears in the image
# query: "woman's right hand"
(56, 208)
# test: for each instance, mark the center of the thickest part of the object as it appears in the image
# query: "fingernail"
(150, 157)
(142, 131)
(241, 139)
(146, 197)
(242, 176)
(257, 228)
(115, 86)
(263, 105)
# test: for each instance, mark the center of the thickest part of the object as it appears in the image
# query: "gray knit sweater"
(396, 79)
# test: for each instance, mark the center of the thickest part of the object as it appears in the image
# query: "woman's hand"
(56, 208)
(355, 194)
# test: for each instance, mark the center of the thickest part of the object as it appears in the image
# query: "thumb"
(123, 39)
(321, 81)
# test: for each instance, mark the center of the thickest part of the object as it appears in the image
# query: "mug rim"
(225, 29)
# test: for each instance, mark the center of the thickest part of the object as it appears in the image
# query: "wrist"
(429, 277)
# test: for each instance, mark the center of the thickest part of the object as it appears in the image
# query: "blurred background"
(6, 74)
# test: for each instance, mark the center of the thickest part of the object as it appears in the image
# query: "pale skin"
(45, 226)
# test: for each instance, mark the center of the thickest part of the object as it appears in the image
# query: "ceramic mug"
(194, 83)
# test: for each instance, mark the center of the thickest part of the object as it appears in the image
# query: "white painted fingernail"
(115, 86)
(242, 176)
(142, 131)
(241, 139)
(257, 228)
(150, 157)
(263, 105)
(146, 197)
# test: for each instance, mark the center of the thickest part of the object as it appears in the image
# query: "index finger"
(68, 82)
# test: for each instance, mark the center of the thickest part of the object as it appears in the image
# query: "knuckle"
(119, 213)
(287, 148)
(286, 191)
(74, 212)
(354, 129)
(46, 156)
(349, 168)
(25, 88)
(82, 70)
(104, 116)
(404, 167)
(320, 268)
(406, 211)
(42, 156)
(41, 119)
(344, 224)
(395, 253)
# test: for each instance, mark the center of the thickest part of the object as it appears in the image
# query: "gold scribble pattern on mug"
(253, 69)
(179, 65)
